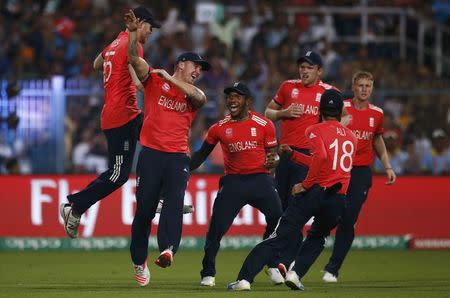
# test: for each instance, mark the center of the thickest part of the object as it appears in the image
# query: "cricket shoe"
(275, 276)
(187, 209)
(71, 221)
(208, 281)
(239, 285)
(292, 281)
(165, 259)
(329, 277)
(142, 274)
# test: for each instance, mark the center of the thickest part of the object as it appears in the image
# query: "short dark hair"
(333, 113)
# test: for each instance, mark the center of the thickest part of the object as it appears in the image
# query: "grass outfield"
(109, 274)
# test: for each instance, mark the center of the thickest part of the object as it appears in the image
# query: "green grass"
(109, 274)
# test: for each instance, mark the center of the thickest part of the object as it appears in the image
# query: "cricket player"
(120, 121)
(249, 145)
(296, 105)
(366, 122)
(321, 194)
(171, 104)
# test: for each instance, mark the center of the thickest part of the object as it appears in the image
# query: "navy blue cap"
(331, 99)
(143, 14)
(239, 88)
(312, 58)
(194, 57)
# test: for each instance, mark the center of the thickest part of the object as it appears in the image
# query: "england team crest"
(166, 87)
(294, 93)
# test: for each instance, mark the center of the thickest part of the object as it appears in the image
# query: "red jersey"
(308, 98)
(332, 150)
(365, 124)
(243, 143)
(120, 105)
(168, 116)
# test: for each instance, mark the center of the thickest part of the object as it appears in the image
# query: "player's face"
(144, 32)
(237, 105)
(362, 89)
(309, 74)
(191, 71)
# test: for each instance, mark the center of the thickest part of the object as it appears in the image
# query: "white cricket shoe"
(142, 274)
(239, 285)
(208, 281)
(275, 276)
(292, 281)
(329, 277)
(71, 222)
(165, 259)
(186, 208)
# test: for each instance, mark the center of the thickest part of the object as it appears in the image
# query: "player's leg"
(293, 219)
(176, 176)
(282, 180)
(227, 204)
(121, 146)
(360, 183)
(264, 197)
(332, 207)
(148, 185)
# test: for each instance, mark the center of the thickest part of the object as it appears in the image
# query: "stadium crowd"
(254, 42)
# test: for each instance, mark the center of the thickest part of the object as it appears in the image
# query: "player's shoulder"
(375, 108)
(327, 86)
(291, 83)
(259, 119)
(223, 121)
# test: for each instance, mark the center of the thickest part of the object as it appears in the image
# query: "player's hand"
(391, 177)
(162, 74)
(272, 160)
(285, 149)
(298, 189)
(293, 111)
(131, 22)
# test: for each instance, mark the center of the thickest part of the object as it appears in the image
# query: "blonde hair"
(360, 74)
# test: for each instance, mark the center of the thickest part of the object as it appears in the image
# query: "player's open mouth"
(234, 108)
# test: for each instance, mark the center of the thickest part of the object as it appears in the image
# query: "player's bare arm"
(275, 112)
(135, 79)
(193, 94)
(345, 117)
(272, 158)
(380, 148)
(140, 66)
(98, 62)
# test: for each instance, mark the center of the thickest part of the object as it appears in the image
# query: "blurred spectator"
(438, 160)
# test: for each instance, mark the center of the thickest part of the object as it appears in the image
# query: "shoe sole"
(208, 285)
(292, 285)
(164, 260)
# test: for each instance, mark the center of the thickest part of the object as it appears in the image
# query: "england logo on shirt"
(166, 87)
(253, 131)
(371, 122)
(229, 132)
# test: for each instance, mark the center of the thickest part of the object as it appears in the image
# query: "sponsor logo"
(294, 93)
(312, 135)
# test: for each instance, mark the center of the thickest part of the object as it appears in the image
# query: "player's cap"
(239, 88)
(143, 14)
(331, 99)
(438, 133)
(194, 57)
(311, 57)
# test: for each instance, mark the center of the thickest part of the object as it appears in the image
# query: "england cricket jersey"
(365, 124)
(168, 116)
(293, 92)
(333, 148)
(243, 143)
(120, 105)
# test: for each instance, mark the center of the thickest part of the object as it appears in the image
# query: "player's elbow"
(269, 114)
